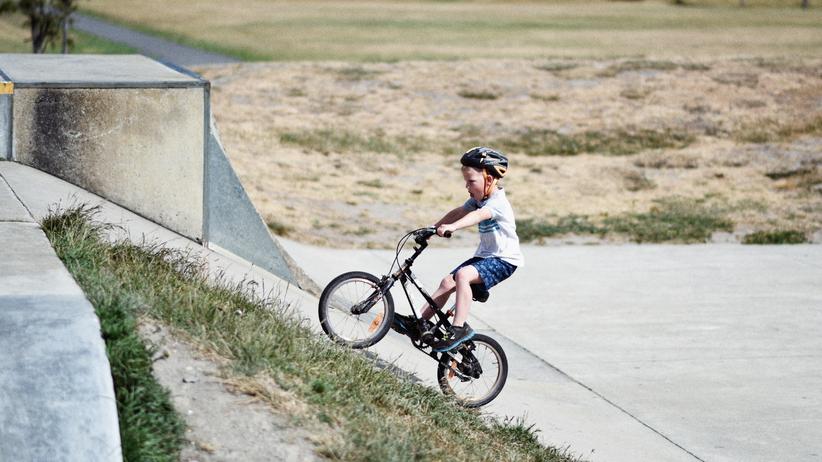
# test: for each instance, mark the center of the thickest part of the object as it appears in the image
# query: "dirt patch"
(352, 155)
(224, 424)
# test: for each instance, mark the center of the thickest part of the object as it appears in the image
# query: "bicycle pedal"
(427, 337)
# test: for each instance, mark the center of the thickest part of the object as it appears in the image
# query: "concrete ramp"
(138, 133)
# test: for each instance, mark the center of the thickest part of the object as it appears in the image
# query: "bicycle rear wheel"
(476, 372)
(353, 311)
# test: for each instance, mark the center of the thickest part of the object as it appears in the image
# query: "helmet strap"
(489, 185)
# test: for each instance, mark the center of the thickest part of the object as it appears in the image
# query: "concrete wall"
(136, 132)
(139, 147)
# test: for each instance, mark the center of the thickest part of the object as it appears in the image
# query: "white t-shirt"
(498, 235)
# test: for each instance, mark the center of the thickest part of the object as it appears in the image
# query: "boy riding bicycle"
(498, 254)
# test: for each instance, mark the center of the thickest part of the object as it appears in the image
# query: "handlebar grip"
(447, 234)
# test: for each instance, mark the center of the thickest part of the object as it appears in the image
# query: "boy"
(498, 254)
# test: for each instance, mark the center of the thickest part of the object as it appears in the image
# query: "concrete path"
(653, 352)
(56, 394)
(157, 48)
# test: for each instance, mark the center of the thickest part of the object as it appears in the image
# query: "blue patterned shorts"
(492, 270)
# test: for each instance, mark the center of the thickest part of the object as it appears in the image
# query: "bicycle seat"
(479, 293)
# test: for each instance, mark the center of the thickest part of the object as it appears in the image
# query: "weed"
(278, 228)
(659, 160)
(327, 140)
(672, 219)
(295, 92)
(740, 79)
(478, 94)
(376, 183)
(545, 97)
(356, 73)
(532, 230)
(557, 66)
(635, 180)
(776, 237)
(542, 142)
(634, 93)
(637, 65)
(373, 413)
(769, 130)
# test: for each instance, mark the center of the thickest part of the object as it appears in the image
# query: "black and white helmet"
(493, 162)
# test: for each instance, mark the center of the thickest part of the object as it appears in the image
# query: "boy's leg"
(460, 331)
(466, 276)
(440, 296)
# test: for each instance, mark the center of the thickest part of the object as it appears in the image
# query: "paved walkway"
(149, 45)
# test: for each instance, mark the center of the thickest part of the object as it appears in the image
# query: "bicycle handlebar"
(426, 233)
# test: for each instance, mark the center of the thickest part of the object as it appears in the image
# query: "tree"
(48, 20)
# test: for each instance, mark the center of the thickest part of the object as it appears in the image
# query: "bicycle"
(356, 309)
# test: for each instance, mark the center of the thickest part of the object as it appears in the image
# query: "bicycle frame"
(404, 275)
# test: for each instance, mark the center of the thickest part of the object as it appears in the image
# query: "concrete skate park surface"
(652, 352)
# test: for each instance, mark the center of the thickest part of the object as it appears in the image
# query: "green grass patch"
(533, 230)
(478, 94)
(769, 130)
(649, 65)
(278, 228)
(775, 237)
(150, 428)
(671, 220)
(557, 66)
(362, 412)
(356, 73)
(544, 142)
(327, 140)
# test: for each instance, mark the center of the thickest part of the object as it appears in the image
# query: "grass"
(544, 142)
(278, 228)
(359, 412)
(769, 130)
(327, 140)
(150, 429)
(533, 230)
(13, 38)
(637, 65)
(776, 237)
(478, 94)
(394, 30)
(672, 219)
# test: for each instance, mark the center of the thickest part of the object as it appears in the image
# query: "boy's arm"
(451, 216)
(468, 219)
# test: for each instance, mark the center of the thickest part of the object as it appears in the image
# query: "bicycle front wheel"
(353, 311)
(475, 372)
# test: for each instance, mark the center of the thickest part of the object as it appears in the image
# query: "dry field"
(348, 154)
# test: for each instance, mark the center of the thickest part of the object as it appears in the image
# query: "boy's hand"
(445, 229)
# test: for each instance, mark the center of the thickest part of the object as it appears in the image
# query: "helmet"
(493, 162)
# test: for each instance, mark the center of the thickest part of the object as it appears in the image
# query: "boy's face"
(474, 182)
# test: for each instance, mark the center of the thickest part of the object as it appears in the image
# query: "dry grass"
(404, 125)
(397, 30)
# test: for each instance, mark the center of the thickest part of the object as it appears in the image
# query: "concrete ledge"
(56, 393)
